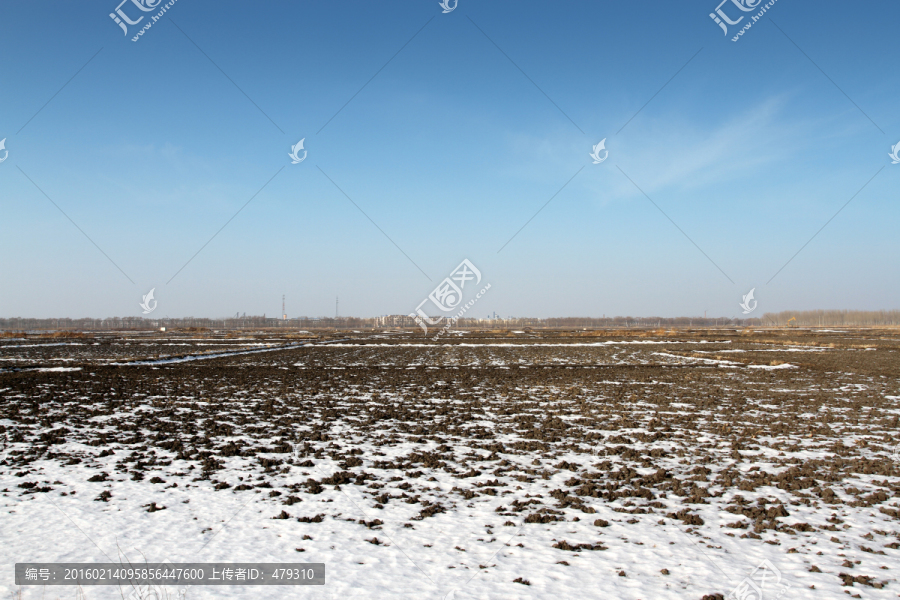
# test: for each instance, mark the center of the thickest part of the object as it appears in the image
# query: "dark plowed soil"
(756, 436)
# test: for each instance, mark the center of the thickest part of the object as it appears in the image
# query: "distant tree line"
(833, 318)
(141, 323)
(350, 323)
(810, 318)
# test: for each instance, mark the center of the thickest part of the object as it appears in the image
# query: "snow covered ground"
(481, 469)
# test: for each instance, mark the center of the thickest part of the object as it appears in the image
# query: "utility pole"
(336, 299)
(283, 312)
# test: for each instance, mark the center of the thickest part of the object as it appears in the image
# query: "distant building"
(395, 321)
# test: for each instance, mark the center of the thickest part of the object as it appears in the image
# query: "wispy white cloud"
(675, 152)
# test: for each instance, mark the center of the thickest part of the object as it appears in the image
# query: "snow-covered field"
(478, 467)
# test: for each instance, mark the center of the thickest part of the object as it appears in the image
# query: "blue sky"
(484, 115)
